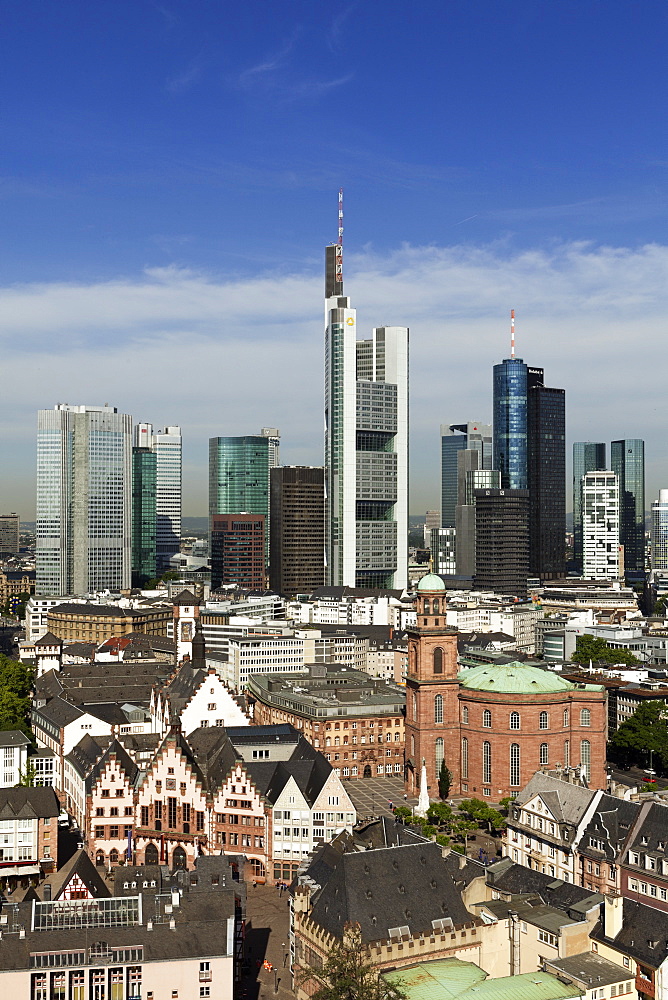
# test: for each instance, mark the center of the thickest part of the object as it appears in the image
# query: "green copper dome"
(512, 678)
(430, 582)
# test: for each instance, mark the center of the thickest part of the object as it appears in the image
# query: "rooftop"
(517, 678)
(450, 978)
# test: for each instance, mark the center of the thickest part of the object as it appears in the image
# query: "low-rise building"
(14, 747)
(74, 622)
(28, 833)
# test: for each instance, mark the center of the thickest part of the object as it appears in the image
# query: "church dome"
(513, 678)
(430, 583)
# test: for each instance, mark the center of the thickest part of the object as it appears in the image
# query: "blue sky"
(169, 178)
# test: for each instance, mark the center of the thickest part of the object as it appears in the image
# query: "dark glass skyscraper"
(455, 438)
(546, 463)
(627, 458)
(144, 519)
(510, 423)
(588, 456)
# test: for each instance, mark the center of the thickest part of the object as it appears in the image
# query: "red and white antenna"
(512, 333)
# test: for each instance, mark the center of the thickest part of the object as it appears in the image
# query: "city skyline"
(152, 241)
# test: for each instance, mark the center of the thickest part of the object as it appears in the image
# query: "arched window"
(438, 708)
(435, 606)
(412, 746)
(544, 721)
(113, 856)
(585, 717)
(439, 757)
(544, 754)
(414, 658)
(257, 866)
(465, 758)
(567, 753)
(438, 660)
(514, 720)
(565, 717)
(179, 859)
(328, 742)
(425, 606)
(487, 762)
(414, 705)
(465, 715)
(585, 757)
(151, 856)
(99, 859)
(514, 763)
(487, 719)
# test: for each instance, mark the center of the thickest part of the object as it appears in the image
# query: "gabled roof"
(60, 712)
(387, 888)
(271, 777)
(48, 639)
(186, 598)
(184, 684)
(13, 738)
(214, 754)
(610, 825)
(28, 803)
(85, 755)
(126, 762)
(644, 934)
(514, 879)
(650, 834)
(82, 866)
(567, 802)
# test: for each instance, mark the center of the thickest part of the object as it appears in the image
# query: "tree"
(646, 730)
(462, 828)
(444, 781)
(439, 813)
(348, 975)
(15, 689)
(590, 649)
(27, 777)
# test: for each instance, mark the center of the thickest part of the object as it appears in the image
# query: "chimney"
(176, 898)
(613, 915)
(47, 892)
(462, 861)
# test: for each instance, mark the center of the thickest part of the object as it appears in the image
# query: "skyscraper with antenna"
(366, 442)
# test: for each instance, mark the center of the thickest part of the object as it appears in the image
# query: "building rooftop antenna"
(512, 333)
(339, 244)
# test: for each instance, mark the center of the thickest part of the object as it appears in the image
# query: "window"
(465, 715)
(439, 756)
(567, 753)
(514, 763)
(514, 720)
(547, 938)
(486, 762)
(438, 708)
(544, 721)
(565, 716)
(487, 719)
(585, 717)
(585, 757)
(544, 754)
(438, 660)
(465, 758)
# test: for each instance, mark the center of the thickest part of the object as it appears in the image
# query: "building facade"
(627, 460)
(166, 445)
(546, 427)
(471, 436)
(660, 532)
(297, 532)
(366, 446)
(84, 500)
(502, 541)
(510, 428)
(144, 565)
(239, 475)
(588, 456)
(238, 551)
(9, 534)
(601, 526)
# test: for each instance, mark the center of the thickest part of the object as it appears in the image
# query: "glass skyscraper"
(144, 479)
(546, 461)
(166, 445)
(84, 500)
(239, 476)
(510, 423)
(588, 456)
(660, 532)
(627, 458)
(470, 436)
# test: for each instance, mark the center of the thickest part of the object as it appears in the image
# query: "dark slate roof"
(97, 610)
(610, 825)
(515, 879)
(650, 835)
(49, 639)
(214, 754)
(28, 803)
(83, 649)
(60, 712)
(13, 738)
(115, 749)
(588, 969)
(79, 864)
(644, 934)
(181, 688)
(338, 592)
(271, 777)
(263, 734)
(387, 888)
(87, 752)
(187, 599)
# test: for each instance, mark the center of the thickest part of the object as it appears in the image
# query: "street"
(267, 939)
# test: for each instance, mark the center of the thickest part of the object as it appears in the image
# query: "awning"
(23, 870)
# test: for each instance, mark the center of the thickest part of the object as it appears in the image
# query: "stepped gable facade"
(494, 725)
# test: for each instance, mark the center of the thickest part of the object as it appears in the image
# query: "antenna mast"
(512, 333)
(339, 245)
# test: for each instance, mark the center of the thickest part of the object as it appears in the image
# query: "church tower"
(432, 691)
(186, 618)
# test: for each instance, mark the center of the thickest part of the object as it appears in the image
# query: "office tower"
(442, 545)
(297, 529)
(144, 484)
(627, 459)
(366, 445)
(502, 541)
(455, 438)
(167, 446)
(238, 551)
(600, 526)
(660, 532)
(9, 534)
(588, 456)
(239, 475)
(510, 423)
(84, 500)
(546, 464)
(432, 519)
(470, 478)
(274, 436)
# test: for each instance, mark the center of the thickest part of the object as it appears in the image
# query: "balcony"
(205, 977)
(644, 985)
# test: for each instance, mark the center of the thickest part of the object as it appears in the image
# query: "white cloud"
(227, 357)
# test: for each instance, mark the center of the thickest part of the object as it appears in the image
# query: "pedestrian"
(254, 884)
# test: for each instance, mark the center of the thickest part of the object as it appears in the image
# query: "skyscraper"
(237, 551)
(502, 541)
(600, 526)
(546, 462)
(297, 534)
(167, 446)
(627, 458)
(84, 500)
(9, 534)
(510, 423)
(660, 532)
(470, 436)
(239, 475)
(366, 445)
(144, 481)
(588, 456)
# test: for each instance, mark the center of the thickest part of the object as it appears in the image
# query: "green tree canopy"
(589, 648)
(15, 688)
(646, 730)
(348, 974)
